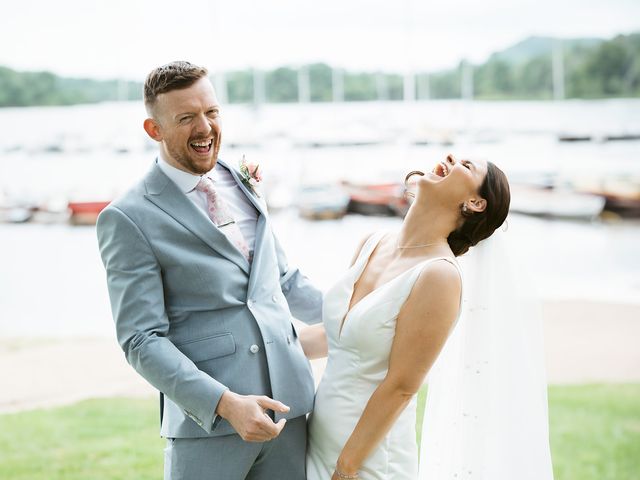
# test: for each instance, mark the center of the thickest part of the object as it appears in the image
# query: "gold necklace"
(402, 247)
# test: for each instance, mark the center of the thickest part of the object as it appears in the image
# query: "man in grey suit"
(203, 298)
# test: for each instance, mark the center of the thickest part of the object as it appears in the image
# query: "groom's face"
(189, 126)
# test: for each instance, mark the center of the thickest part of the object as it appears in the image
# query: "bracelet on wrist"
(345, 476)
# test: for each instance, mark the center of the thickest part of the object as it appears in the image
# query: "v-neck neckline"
(372, 292)
(357, 278)
(350, 307)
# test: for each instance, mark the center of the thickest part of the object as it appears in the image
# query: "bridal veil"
(486, 410)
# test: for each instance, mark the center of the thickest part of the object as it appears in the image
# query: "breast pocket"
(208, 348)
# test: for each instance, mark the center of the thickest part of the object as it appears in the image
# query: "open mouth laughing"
(202, 147)
(441, 170)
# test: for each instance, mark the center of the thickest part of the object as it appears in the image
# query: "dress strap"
(450, 260)
(369, 246)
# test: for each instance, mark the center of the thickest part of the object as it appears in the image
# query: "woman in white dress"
(388, 318)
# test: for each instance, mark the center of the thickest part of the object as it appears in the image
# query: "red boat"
(85, 213)
(386, 199)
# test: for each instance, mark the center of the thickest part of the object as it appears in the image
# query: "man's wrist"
(225, 404)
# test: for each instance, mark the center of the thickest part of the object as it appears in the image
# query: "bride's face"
(458, 180)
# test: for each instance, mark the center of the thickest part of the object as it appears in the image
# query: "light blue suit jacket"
(193, 317)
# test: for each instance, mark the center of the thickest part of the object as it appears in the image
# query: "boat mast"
(558, 69)
(304, 85)
(409, 83)
(337, 84)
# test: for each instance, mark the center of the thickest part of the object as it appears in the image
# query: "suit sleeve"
(304, 299)
(136, 292)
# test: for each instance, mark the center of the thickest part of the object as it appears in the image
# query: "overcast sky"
(126, 38)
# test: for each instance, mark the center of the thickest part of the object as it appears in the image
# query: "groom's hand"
(247, 415)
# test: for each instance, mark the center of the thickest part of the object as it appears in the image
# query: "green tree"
(535, 78)
(240, 86)
(608, 67)
(282, 85)
(593, 68)
(321, 79)
(395, 86)
(360, 86)
(494, 79)
(445, 84)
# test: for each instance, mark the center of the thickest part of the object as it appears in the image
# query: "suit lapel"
(165, 195)
(258, 252)
(250, 195)
(261, 226)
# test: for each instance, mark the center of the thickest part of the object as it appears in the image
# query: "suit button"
(274, 299)
(254, 348)
(289, 339)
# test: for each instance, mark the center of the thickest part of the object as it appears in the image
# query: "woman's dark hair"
(480, 225)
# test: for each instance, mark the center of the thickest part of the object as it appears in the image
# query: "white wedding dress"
(359, 349)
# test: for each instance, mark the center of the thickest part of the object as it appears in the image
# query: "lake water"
(92, 151)
(51, 278)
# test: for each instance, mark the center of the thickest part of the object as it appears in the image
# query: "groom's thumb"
(270, 404)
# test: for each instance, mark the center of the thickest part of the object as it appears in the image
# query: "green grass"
(595, 435)
(595, 432)
(594, 429)
(110, 439)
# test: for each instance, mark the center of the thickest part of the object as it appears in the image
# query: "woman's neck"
(424, 226)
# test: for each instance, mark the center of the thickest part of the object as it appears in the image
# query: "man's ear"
(477, 204)
(153, 129)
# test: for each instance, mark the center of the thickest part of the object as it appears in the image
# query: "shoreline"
(585, 342)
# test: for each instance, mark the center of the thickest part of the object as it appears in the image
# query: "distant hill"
(593, 68)
(533, 47)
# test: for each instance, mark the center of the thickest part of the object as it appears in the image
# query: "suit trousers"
(231, 458)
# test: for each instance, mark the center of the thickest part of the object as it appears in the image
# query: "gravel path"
(584, 342)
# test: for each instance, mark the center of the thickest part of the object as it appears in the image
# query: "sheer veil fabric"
(486, 410)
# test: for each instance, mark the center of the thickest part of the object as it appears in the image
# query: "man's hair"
(172, 76)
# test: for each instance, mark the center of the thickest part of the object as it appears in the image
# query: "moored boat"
(16, 215)
(621, 194)
(322, 202)
(85, 213)
(384, 199)
(555, 203)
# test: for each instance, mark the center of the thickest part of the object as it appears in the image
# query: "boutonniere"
(251, 175)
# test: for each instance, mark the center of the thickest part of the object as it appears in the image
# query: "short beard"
(186, 162)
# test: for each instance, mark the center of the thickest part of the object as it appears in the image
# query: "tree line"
(592, 69)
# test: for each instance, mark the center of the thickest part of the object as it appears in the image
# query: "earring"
(464, 208)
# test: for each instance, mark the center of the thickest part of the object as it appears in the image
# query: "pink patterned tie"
(220, 216)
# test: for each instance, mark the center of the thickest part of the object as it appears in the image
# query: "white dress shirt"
(240, 208)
